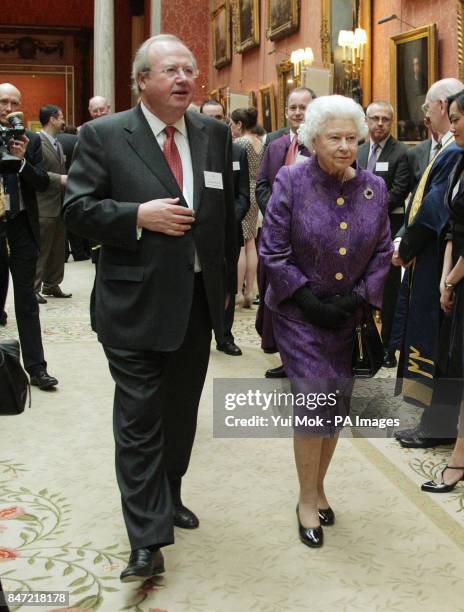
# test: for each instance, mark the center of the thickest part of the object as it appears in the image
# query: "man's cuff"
(139, 232)
(23, 163)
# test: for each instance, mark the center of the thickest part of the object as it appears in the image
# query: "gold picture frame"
(286, 82)
(221, 38)
(267, 108)
(283, 18)
(413, 69)
(358, 14)
(246, 25)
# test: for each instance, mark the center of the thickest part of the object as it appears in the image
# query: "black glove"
(329, 315)
(350, 302)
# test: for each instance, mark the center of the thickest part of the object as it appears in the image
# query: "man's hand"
(165, 216)
(398, 262)
(447, 298)
(18, 147)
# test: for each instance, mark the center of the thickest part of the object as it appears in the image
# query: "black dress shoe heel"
(275, 372)
(143, 563)
(441, 487)
(185, 518)
(310, 536)
(326, 516)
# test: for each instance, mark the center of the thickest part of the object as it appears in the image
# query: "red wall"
(78, 13)
(190, 22)
(417, 13)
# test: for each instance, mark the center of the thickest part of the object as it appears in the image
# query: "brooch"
(368, 193)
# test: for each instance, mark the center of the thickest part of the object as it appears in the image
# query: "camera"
(9, 164)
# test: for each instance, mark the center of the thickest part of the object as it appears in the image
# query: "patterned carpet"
(393, 548)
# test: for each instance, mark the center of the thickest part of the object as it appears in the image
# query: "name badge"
(213, 180)
(235, 165)
(381, 167)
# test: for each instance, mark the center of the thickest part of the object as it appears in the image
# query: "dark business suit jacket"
(33, 178)
(276, 134)
(241, 188)
(418, 159)
(397, 177)
(68, 142)
(144, 288)
(272, 161)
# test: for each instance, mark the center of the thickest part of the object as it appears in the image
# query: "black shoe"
(143, 563)
(43, 380)
(275, 372)
(40, 298)
(229, 348)
(417, 442)
(56, 292)
(184, 518)
(389, 360)
(441, 487)
(408, 433)
(3, 318)
(326, 516)
(256, 301)
(311, 536)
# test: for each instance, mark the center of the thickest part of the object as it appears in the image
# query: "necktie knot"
(170, 131)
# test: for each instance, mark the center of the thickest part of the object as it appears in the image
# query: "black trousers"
(154, 422)
(22, 263)
(229, 314)
(391, 289)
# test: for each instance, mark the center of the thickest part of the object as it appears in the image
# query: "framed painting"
(246, 21)
(346, 15)
(220, 28)
(413, 69)
(283, 18)
(286, 83)
(267, 108)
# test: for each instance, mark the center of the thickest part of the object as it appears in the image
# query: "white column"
(155, 17)
(103, 63)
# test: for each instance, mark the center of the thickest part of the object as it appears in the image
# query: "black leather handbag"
(14, 383)
(368, 348)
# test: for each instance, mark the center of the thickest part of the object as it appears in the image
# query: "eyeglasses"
(171, 72)
(378, 119)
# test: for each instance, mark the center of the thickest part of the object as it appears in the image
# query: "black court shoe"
(326, 516)
(310, 536)
(441, 487)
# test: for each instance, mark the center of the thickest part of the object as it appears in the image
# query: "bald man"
(23, 235)
(98, 107)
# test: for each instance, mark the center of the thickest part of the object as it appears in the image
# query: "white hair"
(142, 57)
(326, 108)
(441, 90)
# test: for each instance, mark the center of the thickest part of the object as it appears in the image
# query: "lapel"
(46, 144)
(387, 150)
(363, 154)
(424, 157)
(142, 140)
(198, 143)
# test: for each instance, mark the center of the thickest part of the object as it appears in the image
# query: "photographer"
(22, 229)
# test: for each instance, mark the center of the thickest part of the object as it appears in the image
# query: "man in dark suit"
(23, 236)
(213, 108)
(386, 157)
(153, 185)
(50, 265)
(281, 150)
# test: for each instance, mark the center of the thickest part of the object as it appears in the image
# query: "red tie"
(171, 153)
(292, 152)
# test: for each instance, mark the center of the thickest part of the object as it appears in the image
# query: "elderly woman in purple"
(327, 247)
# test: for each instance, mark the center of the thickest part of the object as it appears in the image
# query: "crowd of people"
(351, 220)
